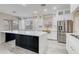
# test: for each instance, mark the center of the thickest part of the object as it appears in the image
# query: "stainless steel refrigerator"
(63, 27)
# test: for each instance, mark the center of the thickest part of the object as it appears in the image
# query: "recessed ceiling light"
(35, 12)
(54, 8)
(23, 4)
(45, 10)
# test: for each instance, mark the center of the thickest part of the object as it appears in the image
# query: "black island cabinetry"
(28, 42)
(10, 36)
(25, 41)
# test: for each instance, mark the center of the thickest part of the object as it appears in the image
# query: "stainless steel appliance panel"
(63, 27)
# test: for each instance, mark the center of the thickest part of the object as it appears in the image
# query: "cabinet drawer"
(74, 44)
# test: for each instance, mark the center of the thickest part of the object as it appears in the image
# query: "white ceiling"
(28, 9)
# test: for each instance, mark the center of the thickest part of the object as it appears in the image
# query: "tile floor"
(53, 48)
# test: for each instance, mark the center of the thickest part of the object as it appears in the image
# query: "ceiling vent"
(43, 5)
(13, 11)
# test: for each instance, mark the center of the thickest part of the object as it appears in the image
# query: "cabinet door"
(28, 42)
(32, 43)
(36, 42)
(10, 36)
(19, 40)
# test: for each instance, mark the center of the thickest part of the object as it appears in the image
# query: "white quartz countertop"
(72, 33)
(33, 33)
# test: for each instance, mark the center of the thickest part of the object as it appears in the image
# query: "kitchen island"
(32, 40)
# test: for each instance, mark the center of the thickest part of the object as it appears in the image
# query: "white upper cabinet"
(63, 14)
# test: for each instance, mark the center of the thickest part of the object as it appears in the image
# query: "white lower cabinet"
(72, 44)
(2, 38)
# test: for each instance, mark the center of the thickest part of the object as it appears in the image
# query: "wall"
(76, 24)
(21, 25)
(38, 23)
(75, 17)
(73, 7)
(53, 34)
(4, 24)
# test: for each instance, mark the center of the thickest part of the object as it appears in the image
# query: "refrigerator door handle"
(60, 27)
